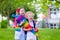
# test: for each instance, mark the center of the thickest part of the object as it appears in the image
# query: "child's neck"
(30, 20)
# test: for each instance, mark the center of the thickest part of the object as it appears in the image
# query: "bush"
(4, 24)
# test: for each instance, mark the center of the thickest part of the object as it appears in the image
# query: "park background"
(47, 14)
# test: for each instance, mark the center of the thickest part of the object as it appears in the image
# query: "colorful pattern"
(26, 24)
(34, 32)
(15, 23)
(17, 28)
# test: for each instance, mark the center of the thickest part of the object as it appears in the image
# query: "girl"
(19, 33)
(30, 35)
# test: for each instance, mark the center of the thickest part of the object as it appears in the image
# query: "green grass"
(49, 34)
(6, 34)
(45, 34)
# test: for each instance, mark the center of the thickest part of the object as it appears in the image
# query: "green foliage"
(9, 6)
(35, 16)
(44, 4)
(4, 24)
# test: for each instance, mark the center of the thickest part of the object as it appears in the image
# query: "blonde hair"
(29, 12)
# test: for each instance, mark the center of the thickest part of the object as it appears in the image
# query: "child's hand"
(36, 29)
(27, 29)
(22, 23)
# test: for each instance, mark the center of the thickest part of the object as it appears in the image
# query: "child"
(19, 33)
(30, 35)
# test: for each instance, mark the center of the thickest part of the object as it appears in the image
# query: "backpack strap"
(34, 23)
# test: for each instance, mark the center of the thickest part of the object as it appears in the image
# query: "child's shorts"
(31, 36)
(19, 35)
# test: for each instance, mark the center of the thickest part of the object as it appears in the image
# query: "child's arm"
(21, 24)
(27, 29)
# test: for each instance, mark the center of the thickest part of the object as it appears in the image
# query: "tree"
(9, 6)
(44, 4)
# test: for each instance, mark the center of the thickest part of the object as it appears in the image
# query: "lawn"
(7, 34)
(45, 34)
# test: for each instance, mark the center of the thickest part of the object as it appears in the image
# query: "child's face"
(30, 16)
(22, 11)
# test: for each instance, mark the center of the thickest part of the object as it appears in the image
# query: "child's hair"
(18, 10)
(29, 12)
